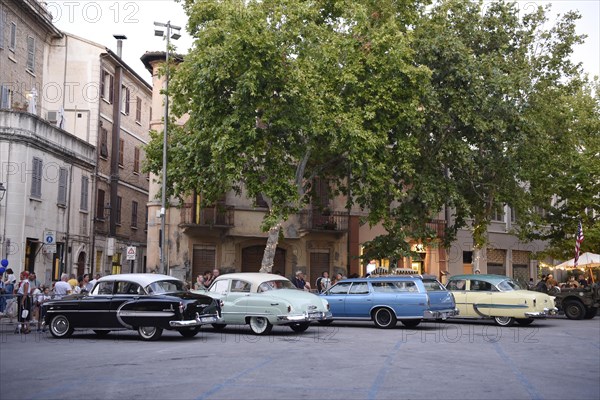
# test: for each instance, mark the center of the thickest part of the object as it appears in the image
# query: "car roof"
(140, 279)
(387, 278)
(483, 277)
(252, 277)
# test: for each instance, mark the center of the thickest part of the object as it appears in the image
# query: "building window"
(83, 203)
(513, 215)
(150, 116)
(36, 178)
(118, 210)
(125, 100)
(541, 211)
(136, 160)
(121, 151)
(31, 54)
(134, 211)
(62, 186)
(100, 205)
(106, 86)
(5, 97)
(103, 143)
(12, 42)
(498, 215)
(138, 110)
(2, 19)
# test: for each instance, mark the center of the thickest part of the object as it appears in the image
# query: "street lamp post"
(168, 35)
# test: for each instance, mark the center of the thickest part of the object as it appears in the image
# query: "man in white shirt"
(371, 267)
(62, 287)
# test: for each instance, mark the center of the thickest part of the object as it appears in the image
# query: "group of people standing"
(28, 294)
(204, 281)
(548, 282)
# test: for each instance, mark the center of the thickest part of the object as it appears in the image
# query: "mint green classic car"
(500, 298)
(264, 300)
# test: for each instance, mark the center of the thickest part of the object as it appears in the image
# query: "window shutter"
(62, 186)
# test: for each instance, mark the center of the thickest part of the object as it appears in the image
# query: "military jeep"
(578, 303)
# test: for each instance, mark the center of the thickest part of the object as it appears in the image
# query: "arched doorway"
(81, 264)
(252, 258)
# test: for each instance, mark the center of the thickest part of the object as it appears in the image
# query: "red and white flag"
(578, 241)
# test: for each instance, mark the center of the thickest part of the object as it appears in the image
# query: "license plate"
(208, 319)
(314, 315)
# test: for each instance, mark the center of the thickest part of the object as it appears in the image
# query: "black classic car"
(148, 303)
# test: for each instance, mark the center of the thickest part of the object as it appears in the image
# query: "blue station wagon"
(385, 300)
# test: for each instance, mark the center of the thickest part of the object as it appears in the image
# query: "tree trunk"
(269, 254)
(477, 256)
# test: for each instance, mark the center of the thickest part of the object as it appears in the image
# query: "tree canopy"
(408, 108)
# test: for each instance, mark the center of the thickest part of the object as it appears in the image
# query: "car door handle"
(274, 304)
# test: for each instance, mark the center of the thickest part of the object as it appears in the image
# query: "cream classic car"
(500, 298)
(263, 300)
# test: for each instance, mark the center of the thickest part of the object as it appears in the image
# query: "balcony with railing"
(219, 217)
(438, 226)
(314, 220)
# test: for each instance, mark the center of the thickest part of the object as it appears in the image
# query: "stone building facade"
(107, 104)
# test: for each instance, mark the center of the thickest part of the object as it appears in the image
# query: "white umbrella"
(586, 260)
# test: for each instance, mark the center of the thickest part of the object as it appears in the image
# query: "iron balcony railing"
(191, 214)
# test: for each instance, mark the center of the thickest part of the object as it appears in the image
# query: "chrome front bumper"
(306, 317)
(542, 314)
(198, 321)
(443, 314)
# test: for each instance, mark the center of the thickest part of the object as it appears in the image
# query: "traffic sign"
(49, 242)
(131, 250)
(49, 237)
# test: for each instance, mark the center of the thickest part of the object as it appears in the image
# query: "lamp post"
(168, 35)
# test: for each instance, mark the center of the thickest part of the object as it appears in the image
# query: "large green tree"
(567, 165)
(490, 63)
(281, 92)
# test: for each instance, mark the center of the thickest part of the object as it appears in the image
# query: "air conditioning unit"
(52, 117)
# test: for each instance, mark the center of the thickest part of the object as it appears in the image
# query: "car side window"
(481, 286)
(458, 284)
(104, 288)
(359, 288)
(240, 286)
(340, 288)
(128, 288)
(220, 286)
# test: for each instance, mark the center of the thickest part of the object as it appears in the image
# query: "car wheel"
(384, 318)
(219, 327)
(189, 332)
(300, 327)
(101, 332)
(574, 310)
(149, 332)
(60, 327)
(591, 313)
(504, 321)
(410, 323)
(524, 321)
(260, 325)
(326, 322)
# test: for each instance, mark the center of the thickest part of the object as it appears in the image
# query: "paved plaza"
(554, 358)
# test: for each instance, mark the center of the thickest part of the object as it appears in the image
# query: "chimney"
(120, 39)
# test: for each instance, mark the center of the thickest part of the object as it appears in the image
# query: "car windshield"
(432, 285)
(508, 285)
(275, 285)
(159, 287)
